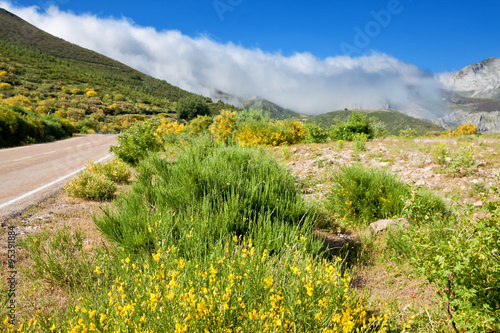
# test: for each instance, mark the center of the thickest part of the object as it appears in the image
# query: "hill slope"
(275, 111)
(50, 89)
(394, 121)
(16, 31)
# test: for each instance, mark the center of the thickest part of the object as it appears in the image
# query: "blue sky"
(434, 35)
(311, 57)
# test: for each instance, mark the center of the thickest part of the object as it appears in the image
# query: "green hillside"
(394, 121)
(275, 111)
(15, 31)
(50, 88)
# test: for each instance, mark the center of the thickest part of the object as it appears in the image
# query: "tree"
(190, 107)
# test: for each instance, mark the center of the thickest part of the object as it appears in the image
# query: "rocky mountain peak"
(480, 80)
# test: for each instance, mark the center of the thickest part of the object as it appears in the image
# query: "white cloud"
(301, 82)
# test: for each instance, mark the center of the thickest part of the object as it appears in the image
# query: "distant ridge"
(394, 121)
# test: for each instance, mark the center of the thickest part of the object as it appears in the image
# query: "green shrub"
(459, 161)
(136, 143)
(190, 107)
(464, 266)
(199, 125)
(359, 141)
(252, 115)
(463, 161)
(315, 134)
(423, 205)
(408, 133)
(91, 185)
(379, 128)
(210, 192)
(363, 196)
(345, 130)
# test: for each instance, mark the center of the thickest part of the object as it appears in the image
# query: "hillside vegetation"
(394, 121)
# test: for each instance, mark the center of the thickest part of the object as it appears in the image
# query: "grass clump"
(210, 192)
(98, 181)
(115, 170)
(59, 259)
(91, 185)
(362, 196)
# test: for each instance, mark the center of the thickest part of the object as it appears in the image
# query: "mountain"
(474, 97)
(481, 80)
(393, 120)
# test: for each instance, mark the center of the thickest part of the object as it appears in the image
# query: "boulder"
(381, 225)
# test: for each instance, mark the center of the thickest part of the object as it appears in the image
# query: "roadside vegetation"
(227, 223)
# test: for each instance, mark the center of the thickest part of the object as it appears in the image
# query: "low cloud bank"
(301, 82)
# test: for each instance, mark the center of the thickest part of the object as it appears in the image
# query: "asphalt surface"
(29, 174)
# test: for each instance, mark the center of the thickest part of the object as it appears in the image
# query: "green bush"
(464, 265)
(363, 196)
(315, 134)
(210, 193)
(199, 125)
(463, 161)
(359, 141)
(379, 128)
(345, 130)
(408, 133)
(137, 142)
(17, 125)
(190, 107)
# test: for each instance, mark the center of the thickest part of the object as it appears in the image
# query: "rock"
(381, 225)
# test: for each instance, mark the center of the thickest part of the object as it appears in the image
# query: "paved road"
(30, 173)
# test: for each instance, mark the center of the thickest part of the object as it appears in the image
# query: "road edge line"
(25, 195)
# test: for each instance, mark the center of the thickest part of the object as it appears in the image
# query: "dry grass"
(55, 213)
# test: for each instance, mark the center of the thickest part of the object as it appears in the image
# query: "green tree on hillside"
(190, 107)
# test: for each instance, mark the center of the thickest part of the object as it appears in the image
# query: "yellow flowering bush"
(92, 186)
(18, 100)
(199, 125)
(91, 93)
(98, 181)
(168, 126)
(272, 133)
(237, 289)
(115, 170)
(467, 129)
(224, 126)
